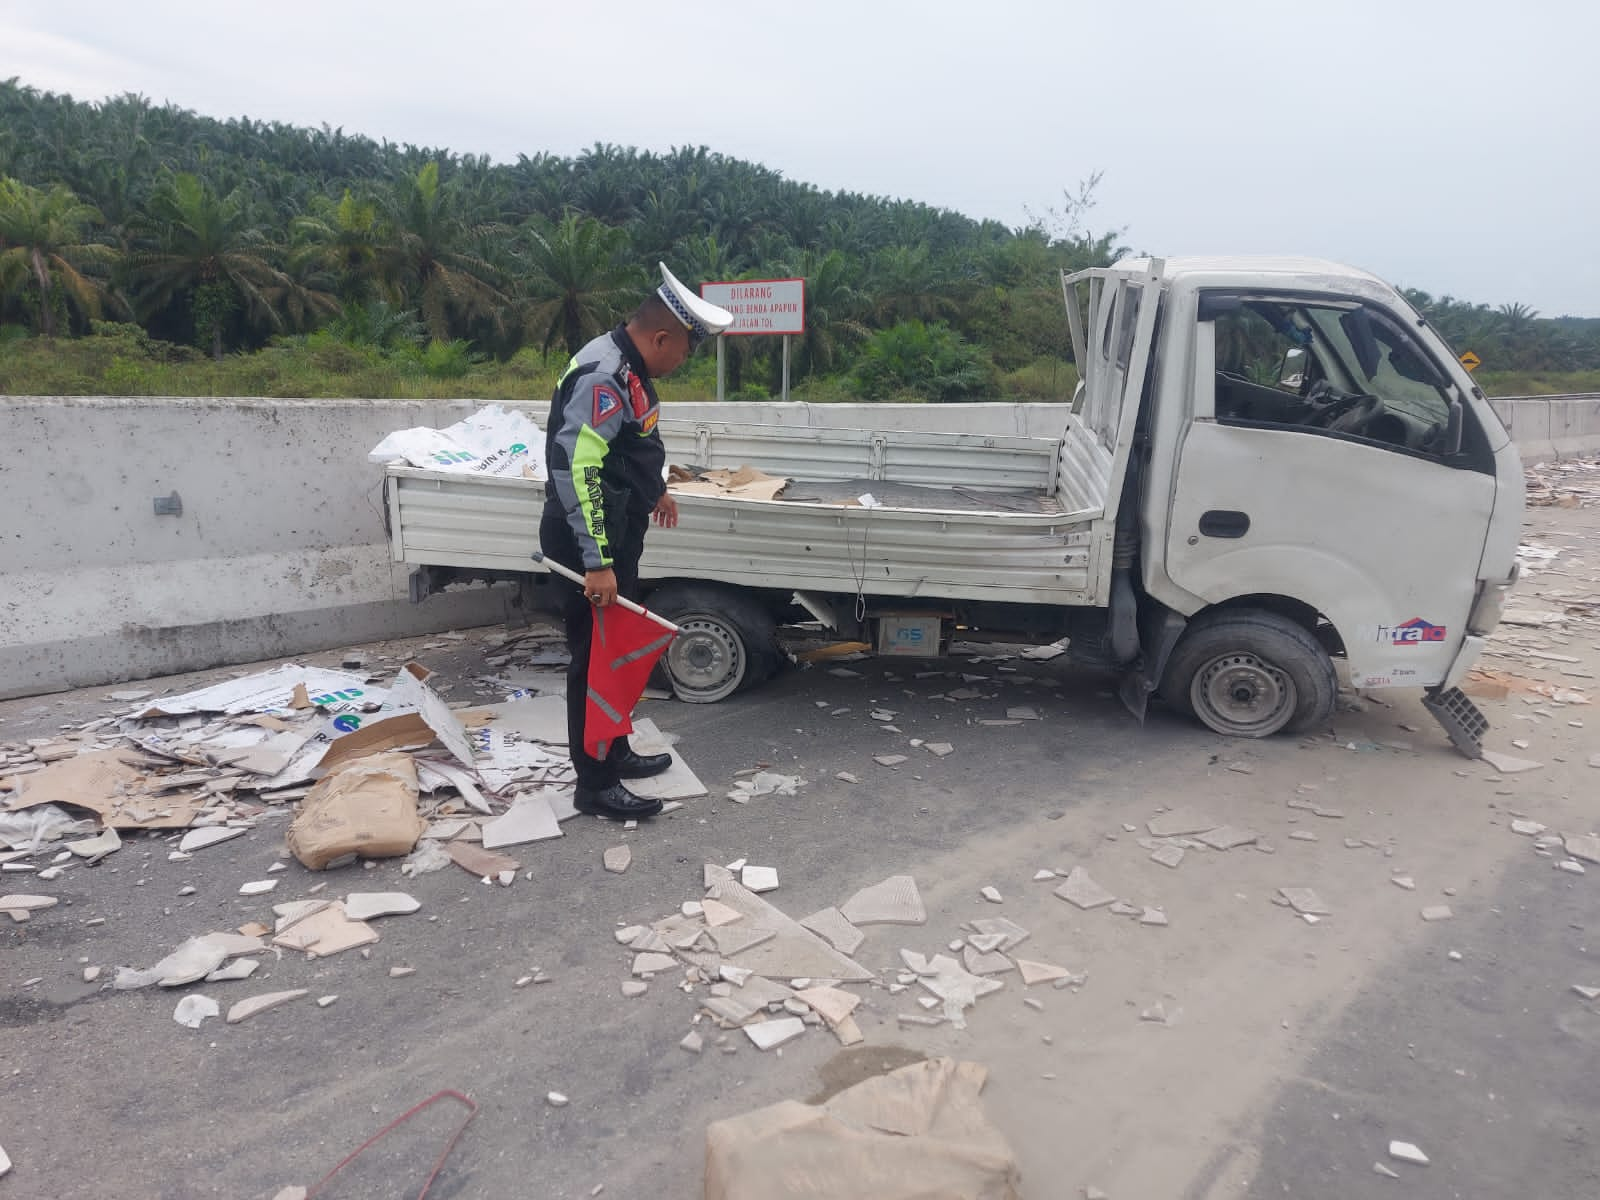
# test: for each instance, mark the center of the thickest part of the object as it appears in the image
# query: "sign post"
(1471, 361)
(760, 307)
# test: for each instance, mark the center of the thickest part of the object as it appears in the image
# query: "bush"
(930, 362)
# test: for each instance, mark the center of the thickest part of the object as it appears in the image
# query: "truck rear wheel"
(727, 640)
(1251, 674)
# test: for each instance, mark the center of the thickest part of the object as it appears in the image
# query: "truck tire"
(1251, 673)
(728, 640)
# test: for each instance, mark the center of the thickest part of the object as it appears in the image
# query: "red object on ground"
(622, 653)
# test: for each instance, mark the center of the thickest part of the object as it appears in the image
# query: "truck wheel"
(727, 640)
(1251, 674)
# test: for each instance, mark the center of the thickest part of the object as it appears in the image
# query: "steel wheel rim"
(706, 661)
(1243, 695)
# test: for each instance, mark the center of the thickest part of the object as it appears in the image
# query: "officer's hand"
(600, 587)
(666, 511)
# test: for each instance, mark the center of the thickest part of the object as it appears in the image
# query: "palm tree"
(833, 310)
(205, 247)
(45, 246)
(345, 239)
(426, 257)
(582, 278)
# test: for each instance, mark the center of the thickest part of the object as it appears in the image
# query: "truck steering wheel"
(1328, 406)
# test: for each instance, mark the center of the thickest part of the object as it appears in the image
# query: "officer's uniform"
(605, 459)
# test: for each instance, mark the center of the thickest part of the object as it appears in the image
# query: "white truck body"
(1361, 487)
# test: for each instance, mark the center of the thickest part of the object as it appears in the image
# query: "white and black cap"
(700, 317)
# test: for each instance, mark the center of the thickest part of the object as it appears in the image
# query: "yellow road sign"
(1470, 361)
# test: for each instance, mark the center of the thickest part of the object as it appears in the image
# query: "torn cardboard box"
(366, 807)
(414, 716)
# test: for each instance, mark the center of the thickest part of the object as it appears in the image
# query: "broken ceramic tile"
(1022, 713)
(1527, 828)
(401, 972)
(98, 846)
(832, 1004)
(1509, 764)
(888, 760)
(846, 777)
(1404, 882)
(326, 932)
(1406, 1152)
(239, 968)
(1153, 916)
(1584, 845)
(1303, 835)
(980, 963)
(1081, 890)
(1380, 1169)
(617, 858)
(1167, 856)
(193, 1009)
(1180, 822)
(717, 914)
(649, 963)
(1123, 908)
(830, 925)
(1042, 874)
(958, 988)
(1571, 865)
(693, 1043)
(529, 819)
(734, 940)
(895, 901)
(21, 902)
(992, 895)
(1305, 900)
(1226, 837)
(1005, 927)
(245, 1009)
(1040, 972)
(759, 879)
(632, 988)
(939, 749)
(984, 943)
(1437, 912)
(257, 887)
(649, 939)
(769, 1034)
(199, 839)
(1588, 993)
(366, 906)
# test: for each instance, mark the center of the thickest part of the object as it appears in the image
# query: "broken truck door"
(1325, 461)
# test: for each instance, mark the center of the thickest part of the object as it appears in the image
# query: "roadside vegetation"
(147, 250)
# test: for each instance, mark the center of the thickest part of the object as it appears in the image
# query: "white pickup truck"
(1270, 464)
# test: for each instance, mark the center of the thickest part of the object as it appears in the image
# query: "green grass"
(1537, 383)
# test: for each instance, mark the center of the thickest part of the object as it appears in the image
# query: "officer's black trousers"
(556, 539)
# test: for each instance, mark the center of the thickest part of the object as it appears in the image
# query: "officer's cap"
(700, 317)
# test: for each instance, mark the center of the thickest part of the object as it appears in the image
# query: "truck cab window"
(1335, 368)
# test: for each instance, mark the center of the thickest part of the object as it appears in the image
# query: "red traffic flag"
(622, 653)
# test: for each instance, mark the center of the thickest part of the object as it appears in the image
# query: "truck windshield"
(1334, 367)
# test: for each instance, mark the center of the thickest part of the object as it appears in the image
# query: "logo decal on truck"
(1414, 632)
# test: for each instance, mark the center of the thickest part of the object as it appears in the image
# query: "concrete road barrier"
(148, 535)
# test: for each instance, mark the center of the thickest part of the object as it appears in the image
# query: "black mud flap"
(1460, 718)
(1159, 639)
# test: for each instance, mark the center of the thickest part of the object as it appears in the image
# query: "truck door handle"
(1224, 523)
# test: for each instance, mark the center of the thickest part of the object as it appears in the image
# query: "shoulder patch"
(606, 402)
(636, 393)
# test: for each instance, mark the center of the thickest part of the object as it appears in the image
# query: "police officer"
(605, 463)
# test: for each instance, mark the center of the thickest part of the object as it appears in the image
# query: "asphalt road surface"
(1287, 1057)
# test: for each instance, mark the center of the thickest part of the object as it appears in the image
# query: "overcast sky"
(1447, 146)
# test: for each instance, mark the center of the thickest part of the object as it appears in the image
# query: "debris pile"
(755, 970)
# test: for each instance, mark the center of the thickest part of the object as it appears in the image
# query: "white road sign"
(766, 306)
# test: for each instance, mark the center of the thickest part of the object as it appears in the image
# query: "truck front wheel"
(1251, 673)
(726, 640)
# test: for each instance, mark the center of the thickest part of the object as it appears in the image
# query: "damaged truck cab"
(1311, 472)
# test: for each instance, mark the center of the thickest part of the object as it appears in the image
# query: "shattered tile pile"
(364, 770)
(753, 969)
